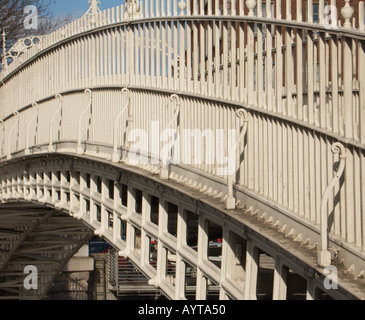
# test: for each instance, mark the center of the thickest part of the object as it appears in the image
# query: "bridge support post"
(233, 252)
(311, 290)
(116, 156)
(280, 281)
(34, 105)
(201, 286)
(80, 149)
(59, 109)
(252, 264)
(231, 200)
(165, 165)
(180, 278)
(224, 257)
(201, 280)
(10, 132)
(324, 256)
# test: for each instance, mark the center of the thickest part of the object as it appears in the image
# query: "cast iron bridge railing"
(257, 107)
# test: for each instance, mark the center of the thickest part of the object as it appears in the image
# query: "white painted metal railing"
(302, 84)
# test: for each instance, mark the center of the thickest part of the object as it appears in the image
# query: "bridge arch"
(133, 211)
(81, 92)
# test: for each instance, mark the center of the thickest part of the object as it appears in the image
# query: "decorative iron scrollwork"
(21, 46)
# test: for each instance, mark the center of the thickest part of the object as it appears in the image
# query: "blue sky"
(78, 7)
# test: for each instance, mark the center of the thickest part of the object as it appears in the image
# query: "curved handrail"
(123, 17)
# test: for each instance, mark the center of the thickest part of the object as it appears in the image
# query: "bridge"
(223, 138)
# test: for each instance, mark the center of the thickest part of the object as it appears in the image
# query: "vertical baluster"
(83, 61)
(164, 27)
(225, 51)
(189, 65)
(279, 60)
(139, 53)
(111, 62)
(347, 88)
(159, 51)
(310, 11)
(79, 63)
(322, 80)
(78, 68)
(153, 53)
(123, 54)
(89, 61)
(233, 49)
(152, 8)
(217, 33)
(104, 57)
(357, 197)
(117, 54)
(289, 79)
(250, 62)
(362, 16)
(196, 48)
(334, 82)
(310, 64)
(117, 14)
(106, 16)
(175, 48)
(98, 55)
(310, 85)
(169, 12)
(174, 8)
(128, 54)
(147, 53)
(163, 8)
(170, 53)
(299, 63)
(146, 9)
(242, 55)
(109, 16)
(182, 53)
(361, 67)
(208, 52)
(356, 127)
(203, 51)
(158, 9)
(310, 173)
(188, 7)
(259, 74)
(261, 152)
(63, 72)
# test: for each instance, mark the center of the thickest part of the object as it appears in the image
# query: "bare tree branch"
(13, 16)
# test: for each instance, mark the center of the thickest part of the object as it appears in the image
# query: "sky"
(78, 7)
